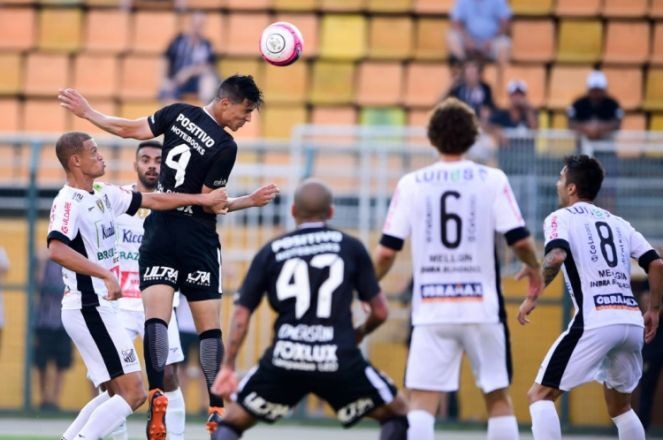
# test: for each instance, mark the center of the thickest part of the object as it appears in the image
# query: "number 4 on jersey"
(179, 164)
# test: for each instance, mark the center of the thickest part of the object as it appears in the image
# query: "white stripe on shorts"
(379, 384)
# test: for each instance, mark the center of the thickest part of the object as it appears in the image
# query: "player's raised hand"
(651, 324)
(525, 309)
(217, 201)
(73, 101)
(114, 291)
(225, 383)
(264, 194)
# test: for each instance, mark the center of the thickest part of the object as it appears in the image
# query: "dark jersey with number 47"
(310, 275)
(196, 152)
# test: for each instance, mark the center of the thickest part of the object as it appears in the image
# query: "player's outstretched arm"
(260, 197)
(651, 317)
(383, 260)
(226, 381)
(76, 103)
(552, 263)
(378, 313)
(215, 201)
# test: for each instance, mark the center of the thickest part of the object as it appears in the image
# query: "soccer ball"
(281, 43)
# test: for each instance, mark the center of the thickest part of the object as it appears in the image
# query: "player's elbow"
(656, 267)
(380, 309)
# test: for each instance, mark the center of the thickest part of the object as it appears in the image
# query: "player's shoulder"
(69, 194)
(561, 213)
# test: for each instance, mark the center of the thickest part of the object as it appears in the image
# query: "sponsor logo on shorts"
(199, 278)
(129, 356)
(159, 273)
(615, 301)
(452, 292)
(305, 357)
(355, 409)
(261, 407)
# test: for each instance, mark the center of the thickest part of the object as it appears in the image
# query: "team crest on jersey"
(142, 213)
(100, 205)
(129, 356)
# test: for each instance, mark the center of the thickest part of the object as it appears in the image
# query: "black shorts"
(269, 392)
(182, 253)
(52, 345)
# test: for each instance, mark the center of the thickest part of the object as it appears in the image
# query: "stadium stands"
(18, 29)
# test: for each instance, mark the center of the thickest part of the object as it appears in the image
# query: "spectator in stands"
(4, 268)
(52, 343)
(188, 66)
(520, 113)
(595, 115)
(474, 91)
(480, 28)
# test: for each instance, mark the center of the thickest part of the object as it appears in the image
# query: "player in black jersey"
(180, 249)
(309, 276)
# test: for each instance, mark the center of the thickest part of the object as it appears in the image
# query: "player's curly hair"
(453, 127)
(586, 173)
(237, 88)
(69, 144)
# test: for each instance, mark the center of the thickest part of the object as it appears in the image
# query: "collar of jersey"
(311, 225)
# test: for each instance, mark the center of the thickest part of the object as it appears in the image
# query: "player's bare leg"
(545, 421)
(628, 424)
(421, 417)
(502, 424)
(234, 422)
(392, 418)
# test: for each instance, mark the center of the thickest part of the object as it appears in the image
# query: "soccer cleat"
(156, 415)
(214, 418)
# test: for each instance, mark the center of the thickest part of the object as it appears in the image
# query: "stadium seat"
(285, 85)
(577, 8)
(430, 41)
(656, 56)
(60, 29)
(380, 83)
(214, 30)
(432, 6)
(535, 77)
(634, 121)
(338, 115)
(106, 106)
(308, 25)
(425, 84)
(106, 30)
(96, 75)
(341, 5)
(654, 90)
(625, 85)
(531, 7)
(559, 121)
(343, 37)
(626, 42)
(533, 40)
(239, 26)
(60, 2)
(294, 5)
(17, 28)
(333, 83)
(566, 84)
(579, 41)
(656, 122)
(388, 6)
(139, 77)
(278, 121)
(10, 73)
(152, 31)
(394, 116)
(138, 109)
(624, 8)
(418, 117)
(246, 66)
(10, 109)
(43, 116)
(390, 37)
(46, 73)
(655, 8)
(213, 4)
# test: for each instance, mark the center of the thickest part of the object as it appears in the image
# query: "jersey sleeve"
(641, 250)
(63, 224)
(122, 200)
(556, 231)
(219, 172)
(397, 224)
(163, 118)
(366, 283)
(508, 219)
(255, 283)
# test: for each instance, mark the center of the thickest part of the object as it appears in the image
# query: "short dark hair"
(586, 173)
(148, 144)
(237, 88)
(313, 199)
(452, 127)
(69, 144)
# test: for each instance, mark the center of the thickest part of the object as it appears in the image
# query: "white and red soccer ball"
(281, 43)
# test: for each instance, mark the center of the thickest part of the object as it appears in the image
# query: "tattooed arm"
(552, 263)
(226, 381)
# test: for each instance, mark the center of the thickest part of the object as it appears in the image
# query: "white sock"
(629, 426)
(175, 414)
(106, 418)
(503, 428)
(120, 433)
(545, 421)
(422, 425)
(83, 416)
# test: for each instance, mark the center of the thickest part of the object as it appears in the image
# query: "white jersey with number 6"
(452, 210)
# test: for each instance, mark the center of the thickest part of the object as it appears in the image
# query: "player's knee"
(538, 392)
(394, 428)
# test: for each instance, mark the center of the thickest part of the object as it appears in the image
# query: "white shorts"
(134, 322)
(611, 355)
(436, 352)
(104, 345)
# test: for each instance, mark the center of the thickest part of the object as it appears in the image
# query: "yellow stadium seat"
(380, 83)
(433, 6)
(338, 115)
(106, 30)
(389, 6)
(260, 5)
(625, 85)
(139, 77)
(394, 116)
(106, 106)
(10, 73)
(333, 83)
(243, 66)
(566, 84)
(560, 121)
(533, 40)
(656, 56)
(42, 116)
(343, 37)
(425, 84)
(294, 5)
(239, 26)
(286, 85)
(390, 37)
(531, 7)
(656, 122)
(624, 8)
(634, 121)
(278, 121)
(211, 4)
(60, 29)
(10, 109)
(626, 42)
(656, 8)
(308, 25)
(17, 28)
(585, 8)
(152, 31)
(533, 75)
(579, 41)
(46, 73)
(341, 5)
(96, 75)
(430, 41)
(138, 109)
(654, 90)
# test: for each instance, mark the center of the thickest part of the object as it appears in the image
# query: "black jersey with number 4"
(310, 276)
(196, 152)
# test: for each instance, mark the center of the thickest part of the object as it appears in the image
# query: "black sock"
(394, 428)
(226, 431)
(211, 354)
(155, 350)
